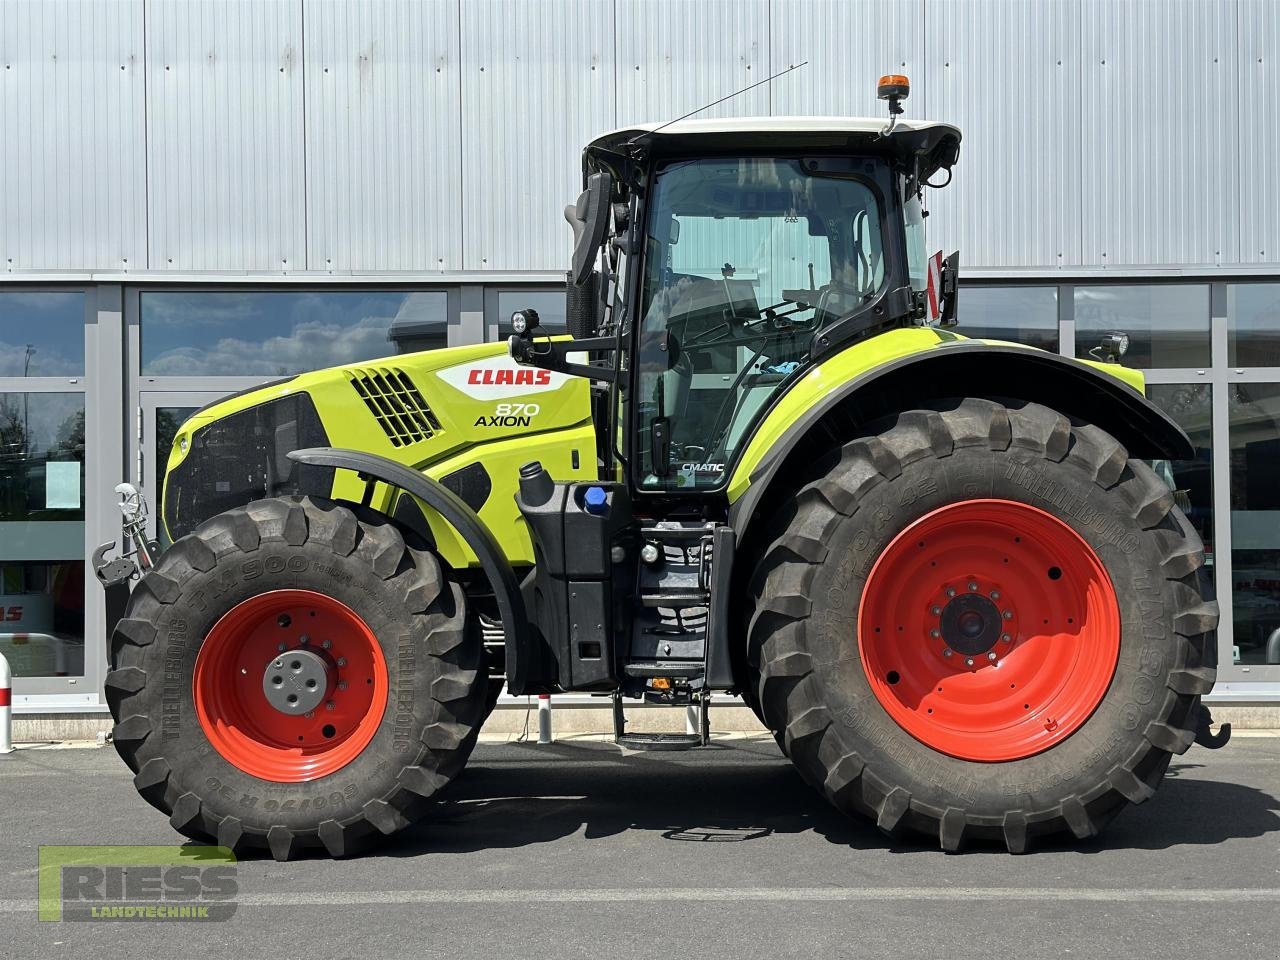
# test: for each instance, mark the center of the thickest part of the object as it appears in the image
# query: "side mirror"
(582, 306)
(950, 290)
(589, 219)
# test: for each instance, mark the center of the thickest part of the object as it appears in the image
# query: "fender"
(940, 365)
(454, 510)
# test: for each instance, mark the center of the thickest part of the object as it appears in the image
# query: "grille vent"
(395, 403)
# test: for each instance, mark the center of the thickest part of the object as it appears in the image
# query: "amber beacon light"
(894, 87)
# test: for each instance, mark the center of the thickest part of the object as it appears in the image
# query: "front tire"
(966, 558)
(294, 675)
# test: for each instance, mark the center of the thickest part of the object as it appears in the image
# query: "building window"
(282, 332)
(42, 333)
(1253, 324)
(548, 302)
(42, 533)
(1167, 323)
(1190, 406)
(1254, 411)
(1023, 314)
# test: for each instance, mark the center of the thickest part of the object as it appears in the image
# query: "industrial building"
(200, 196)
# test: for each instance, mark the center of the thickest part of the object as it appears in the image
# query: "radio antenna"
(713, 103)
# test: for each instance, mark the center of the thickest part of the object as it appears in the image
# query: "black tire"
(433, 658)
(804, 657)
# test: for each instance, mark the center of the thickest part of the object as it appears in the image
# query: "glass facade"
(1167, 323)
(1211, 350)
(42, 533)
(1022, 314)
(281, 332)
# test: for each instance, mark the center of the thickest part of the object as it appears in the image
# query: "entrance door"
(160, 414)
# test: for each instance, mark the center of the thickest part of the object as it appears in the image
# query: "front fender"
(902, 369)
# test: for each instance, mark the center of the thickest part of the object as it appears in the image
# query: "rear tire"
(193, 720)
(820, 674)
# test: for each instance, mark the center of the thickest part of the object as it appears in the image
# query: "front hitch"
(115, 574)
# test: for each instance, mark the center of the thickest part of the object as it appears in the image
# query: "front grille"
(395, 403)
(244, 457)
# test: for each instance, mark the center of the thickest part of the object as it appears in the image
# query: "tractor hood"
(440, 411)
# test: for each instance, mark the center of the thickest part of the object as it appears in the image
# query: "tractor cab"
(717, 260)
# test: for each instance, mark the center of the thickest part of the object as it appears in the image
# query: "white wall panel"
(537, 86)
(72, 163)
(675, 56)
(1008, 74)
(384, 180)
(1159, 140)
(225, 134)
(849, 44)
(1258, 113)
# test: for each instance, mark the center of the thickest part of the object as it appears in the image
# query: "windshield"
(746, 258)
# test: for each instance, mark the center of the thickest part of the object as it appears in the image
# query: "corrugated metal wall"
(443, 135)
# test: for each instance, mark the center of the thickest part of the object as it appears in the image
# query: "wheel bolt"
(342, 661)
(968, 661)
(281, 647)
(325, 644)
(1005, 637)
(342, 684)
(278, 664)
(936, 611)
(1008, 614)
(329, 705)
(309, 714)
(935, 634)
(304, 639)
(995, 594)
(991, 655)
(947, 652)
(951, 591)
(973, 587)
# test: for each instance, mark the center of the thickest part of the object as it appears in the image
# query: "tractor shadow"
(518, 795)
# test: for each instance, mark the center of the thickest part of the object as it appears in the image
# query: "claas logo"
(488, 376)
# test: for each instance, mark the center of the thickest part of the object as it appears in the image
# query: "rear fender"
(917, 366)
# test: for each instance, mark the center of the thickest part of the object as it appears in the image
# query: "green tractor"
(941, 571)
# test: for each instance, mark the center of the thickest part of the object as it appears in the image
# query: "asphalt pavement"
(577, 850)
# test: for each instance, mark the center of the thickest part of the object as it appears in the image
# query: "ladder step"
(688, 669)
(659, 741)
(693, 598)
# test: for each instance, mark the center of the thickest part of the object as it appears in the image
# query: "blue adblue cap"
(596, 500)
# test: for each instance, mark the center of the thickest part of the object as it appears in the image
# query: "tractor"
(941, 571)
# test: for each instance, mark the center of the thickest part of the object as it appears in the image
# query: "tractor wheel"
(293, 675)
(986, 623)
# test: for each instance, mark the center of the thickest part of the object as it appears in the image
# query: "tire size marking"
(334, 798)
(173, 693)
(406, 669)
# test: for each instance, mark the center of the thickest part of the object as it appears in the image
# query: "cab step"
(664, 741)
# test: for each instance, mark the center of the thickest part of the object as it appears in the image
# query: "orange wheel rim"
(286, 644)
(989, 630)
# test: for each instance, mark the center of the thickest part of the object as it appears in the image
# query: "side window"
(917, 252)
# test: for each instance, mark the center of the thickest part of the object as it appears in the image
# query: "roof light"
(893, 87)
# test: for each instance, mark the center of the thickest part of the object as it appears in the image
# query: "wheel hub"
(971, 624)
(297, 681)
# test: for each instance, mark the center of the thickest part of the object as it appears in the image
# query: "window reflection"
(42, 453)
(548, 303)
(42, 333)
(1255, 521)
(1253, 324)
(1190, 406)
(282, 332)
(1167, 323)
(1022, 314)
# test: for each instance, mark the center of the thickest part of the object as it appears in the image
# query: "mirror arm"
(554, 356)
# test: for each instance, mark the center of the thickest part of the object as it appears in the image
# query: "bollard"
(6, 707)
(544, 718)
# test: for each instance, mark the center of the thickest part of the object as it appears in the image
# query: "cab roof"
(937, 143)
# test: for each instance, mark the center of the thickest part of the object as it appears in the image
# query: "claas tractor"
(941, 571)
